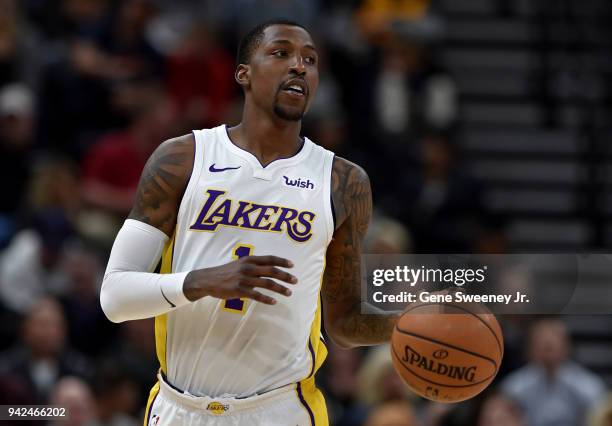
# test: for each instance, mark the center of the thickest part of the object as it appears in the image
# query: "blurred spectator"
(396, 413)
(498, 410)
(9, 36)
(375, 16)
(135, 351)
(434, 412)
(53, 185)
(601, 415)
(74, 394)
(340, 385)
(386, 236)
(112, 167)
(19, 46)
(461, 414)
(328, 101)
(442, 203)
(326, 121)
(127, 45)
(200, 79)
(79, 68)
(83, 270)
(491, 237)
(514, 329)
(378, 382)
(42, 354)
(117, 395)
(551, 388)
(16, 137)
(100, 57)
(403, 92)
(246, 14)
(330, 132)
(30, 265)
(86, 19)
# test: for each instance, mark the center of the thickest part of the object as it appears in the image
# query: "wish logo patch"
(299, 183)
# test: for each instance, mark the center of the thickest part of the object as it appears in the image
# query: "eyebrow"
(284, 41)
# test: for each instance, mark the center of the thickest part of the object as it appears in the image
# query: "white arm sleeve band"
(129, 290)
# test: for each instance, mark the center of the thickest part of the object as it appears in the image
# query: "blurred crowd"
(89, 88)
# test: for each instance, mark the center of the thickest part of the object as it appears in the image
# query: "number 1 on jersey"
(238, 306)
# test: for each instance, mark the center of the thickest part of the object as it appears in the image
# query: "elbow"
(336, 334)
(109, 306)
(343, 343)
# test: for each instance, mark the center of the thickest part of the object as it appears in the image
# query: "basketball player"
(251, 223)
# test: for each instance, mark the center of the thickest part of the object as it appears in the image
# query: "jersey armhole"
(330, 213)
(333, 211)
(196, 171)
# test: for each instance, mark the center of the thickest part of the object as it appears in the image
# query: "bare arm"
(344, 322)
(162, 184)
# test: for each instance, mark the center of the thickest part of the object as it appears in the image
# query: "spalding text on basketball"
(412, 357)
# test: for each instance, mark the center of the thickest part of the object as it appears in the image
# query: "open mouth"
(295, 88)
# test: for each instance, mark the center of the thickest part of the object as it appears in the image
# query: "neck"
(267, 138)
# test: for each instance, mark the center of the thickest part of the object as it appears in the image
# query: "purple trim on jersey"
(281, 158)
(151, 407)
(333, 211)
(313, 357)
(305, 404)
(195, 142)
(331, 197)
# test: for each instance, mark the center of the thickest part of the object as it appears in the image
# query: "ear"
(243, 75)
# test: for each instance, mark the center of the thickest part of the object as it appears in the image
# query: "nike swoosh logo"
(215, 170)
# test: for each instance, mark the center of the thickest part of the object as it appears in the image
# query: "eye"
(310, 60)
(280, 53)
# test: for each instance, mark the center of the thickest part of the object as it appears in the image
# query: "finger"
(255, 295)
(273, 272)
(271, 261)
(270, 285)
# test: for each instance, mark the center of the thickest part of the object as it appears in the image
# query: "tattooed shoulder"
(350, 188)
(163, 182)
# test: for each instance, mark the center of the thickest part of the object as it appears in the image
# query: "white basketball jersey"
(234, 207)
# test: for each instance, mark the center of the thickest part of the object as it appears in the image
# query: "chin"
(289, 114)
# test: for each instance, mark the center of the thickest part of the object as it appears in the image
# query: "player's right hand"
(240, 278)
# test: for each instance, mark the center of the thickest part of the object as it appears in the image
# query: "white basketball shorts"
(284, 406)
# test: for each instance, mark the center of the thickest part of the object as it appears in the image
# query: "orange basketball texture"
(447, 352)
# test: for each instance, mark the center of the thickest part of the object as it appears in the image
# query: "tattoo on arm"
(353, 203)
(352, 198)
(163, 182)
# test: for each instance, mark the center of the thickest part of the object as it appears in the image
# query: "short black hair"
(251, 40)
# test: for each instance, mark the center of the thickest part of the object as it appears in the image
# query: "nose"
(298, 67)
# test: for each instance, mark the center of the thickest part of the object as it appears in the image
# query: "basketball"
(447, 352)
